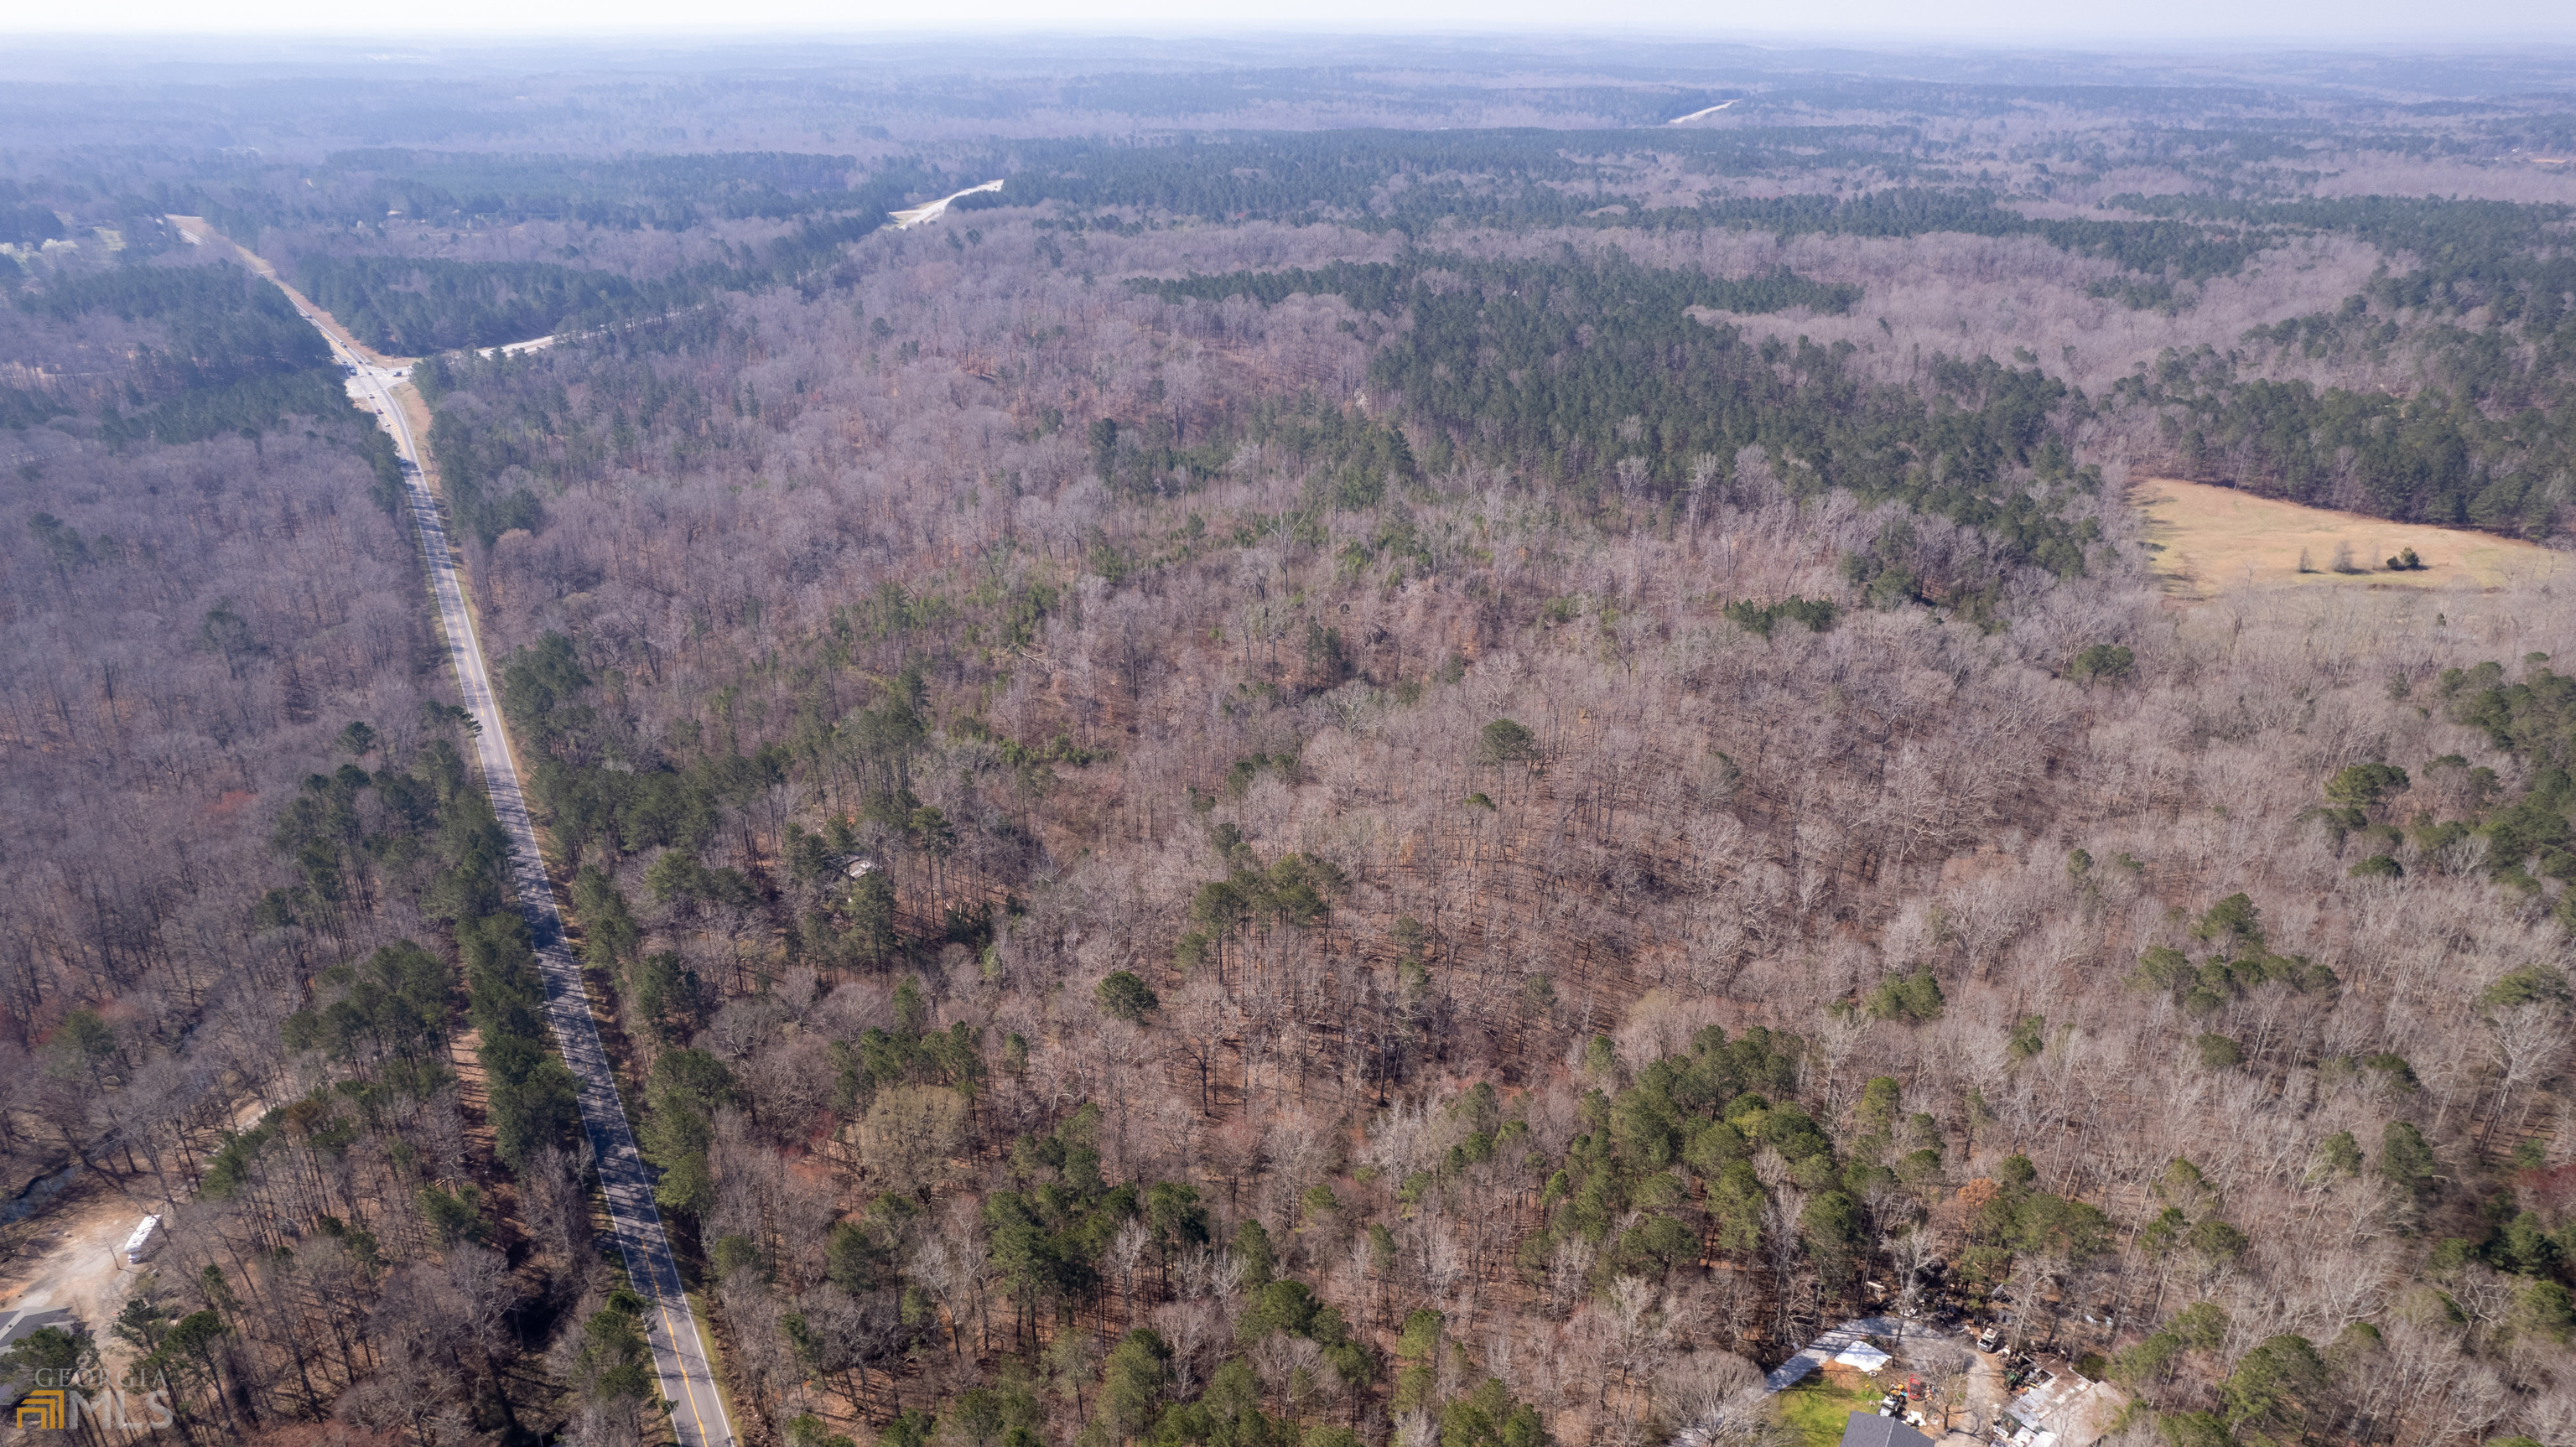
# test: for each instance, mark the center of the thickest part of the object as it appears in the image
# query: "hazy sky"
(2318, 24)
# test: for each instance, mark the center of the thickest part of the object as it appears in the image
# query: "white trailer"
(145, 1240)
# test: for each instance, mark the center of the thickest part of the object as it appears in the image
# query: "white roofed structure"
(145, 1240)
(1864, 1356)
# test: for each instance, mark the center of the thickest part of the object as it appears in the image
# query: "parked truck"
(145, 1240)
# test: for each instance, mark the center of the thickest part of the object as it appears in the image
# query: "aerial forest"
(1394, 756)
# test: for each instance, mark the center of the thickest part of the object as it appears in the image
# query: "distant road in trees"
(932, 211)
(679, 1353)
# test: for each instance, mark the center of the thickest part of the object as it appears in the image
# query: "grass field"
(2210, 539)
(1818, 1410)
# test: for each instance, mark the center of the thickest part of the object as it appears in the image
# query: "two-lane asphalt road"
(679, 1354)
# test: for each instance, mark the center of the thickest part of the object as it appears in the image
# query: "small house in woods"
(1867, 1429)
(2062, 1408)
(17, 1326)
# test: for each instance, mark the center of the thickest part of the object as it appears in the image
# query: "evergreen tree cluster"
(1594, 372)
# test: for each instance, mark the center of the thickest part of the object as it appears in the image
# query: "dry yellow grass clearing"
(2209, 539)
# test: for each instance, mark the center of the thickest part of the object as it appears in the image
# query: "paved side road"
(679, 1354)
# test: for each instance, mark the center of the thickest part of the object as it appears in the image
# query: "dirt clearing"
(73, 1253)
(74, 1257)
(2211, 539)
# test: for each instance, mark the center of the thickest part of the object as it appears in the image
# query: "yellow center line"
(687, 1388)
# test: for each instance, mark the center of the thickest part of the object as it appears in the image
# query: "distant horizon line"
(2099, 43)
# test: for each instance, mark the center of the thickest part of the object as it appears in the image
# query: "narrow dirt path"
(1987, 1394)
